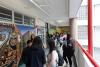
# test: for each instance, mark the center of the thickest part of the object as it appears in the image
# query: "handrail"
(88, 55)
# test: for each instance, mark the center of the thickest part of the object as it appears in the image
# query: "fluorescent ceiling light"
(60, 21)
(39, 7)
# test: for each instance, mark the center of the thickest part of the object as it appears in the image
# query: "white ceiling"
(47, 10)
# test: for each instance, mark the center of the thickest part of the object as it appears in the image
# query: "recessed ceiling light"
(60, 21)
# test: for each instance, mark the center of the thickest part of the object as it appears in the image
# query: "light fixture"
(60, 21)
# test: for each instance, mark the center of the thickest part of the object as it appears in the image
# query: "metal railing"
(83, 58)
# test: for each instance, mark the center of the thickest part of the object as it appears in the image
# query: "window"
(32, 21)
(27, 20)
(18, 18)
(5, 14)
(82, 32)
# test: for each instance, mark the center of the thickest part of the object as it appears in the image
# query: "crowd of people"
(65, 42)
(34, 55)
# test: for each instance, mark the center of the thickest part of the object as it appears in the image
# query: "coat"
(34, 57)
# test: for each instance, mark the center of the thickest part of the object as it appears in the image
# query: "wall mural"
(9, 45)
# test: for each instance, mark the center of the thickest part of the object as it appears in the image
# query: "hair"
(29, 41)
(37, 42)
(68, 39)
(64, 39)
(68, 36)
(51, 44)
(32, 37)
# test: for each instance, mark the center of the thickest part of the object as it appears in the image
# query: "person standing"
(68, 50)
(61, 39)
(26, 53)
(32, 37)
(52, 56)
(37, 58)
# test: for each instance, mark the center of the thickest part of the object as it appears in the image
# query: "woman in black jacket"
(37, 58)
(34, 55)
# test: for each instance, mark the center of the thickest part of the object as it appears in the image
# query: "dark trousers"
(66, 55)
(70, 61)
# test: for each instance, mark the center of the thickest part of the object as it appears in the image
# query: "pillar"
(22, 19)
(73, 27)
(13, 19)
(90, 29)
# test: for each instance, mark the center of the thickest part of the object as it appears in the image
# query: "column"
(90, 29)
(73, 27)
(23, 19)
(13, 19)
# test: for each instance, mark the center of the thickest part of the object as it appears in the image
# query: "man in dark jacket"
(38, 57)
(26, 54)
